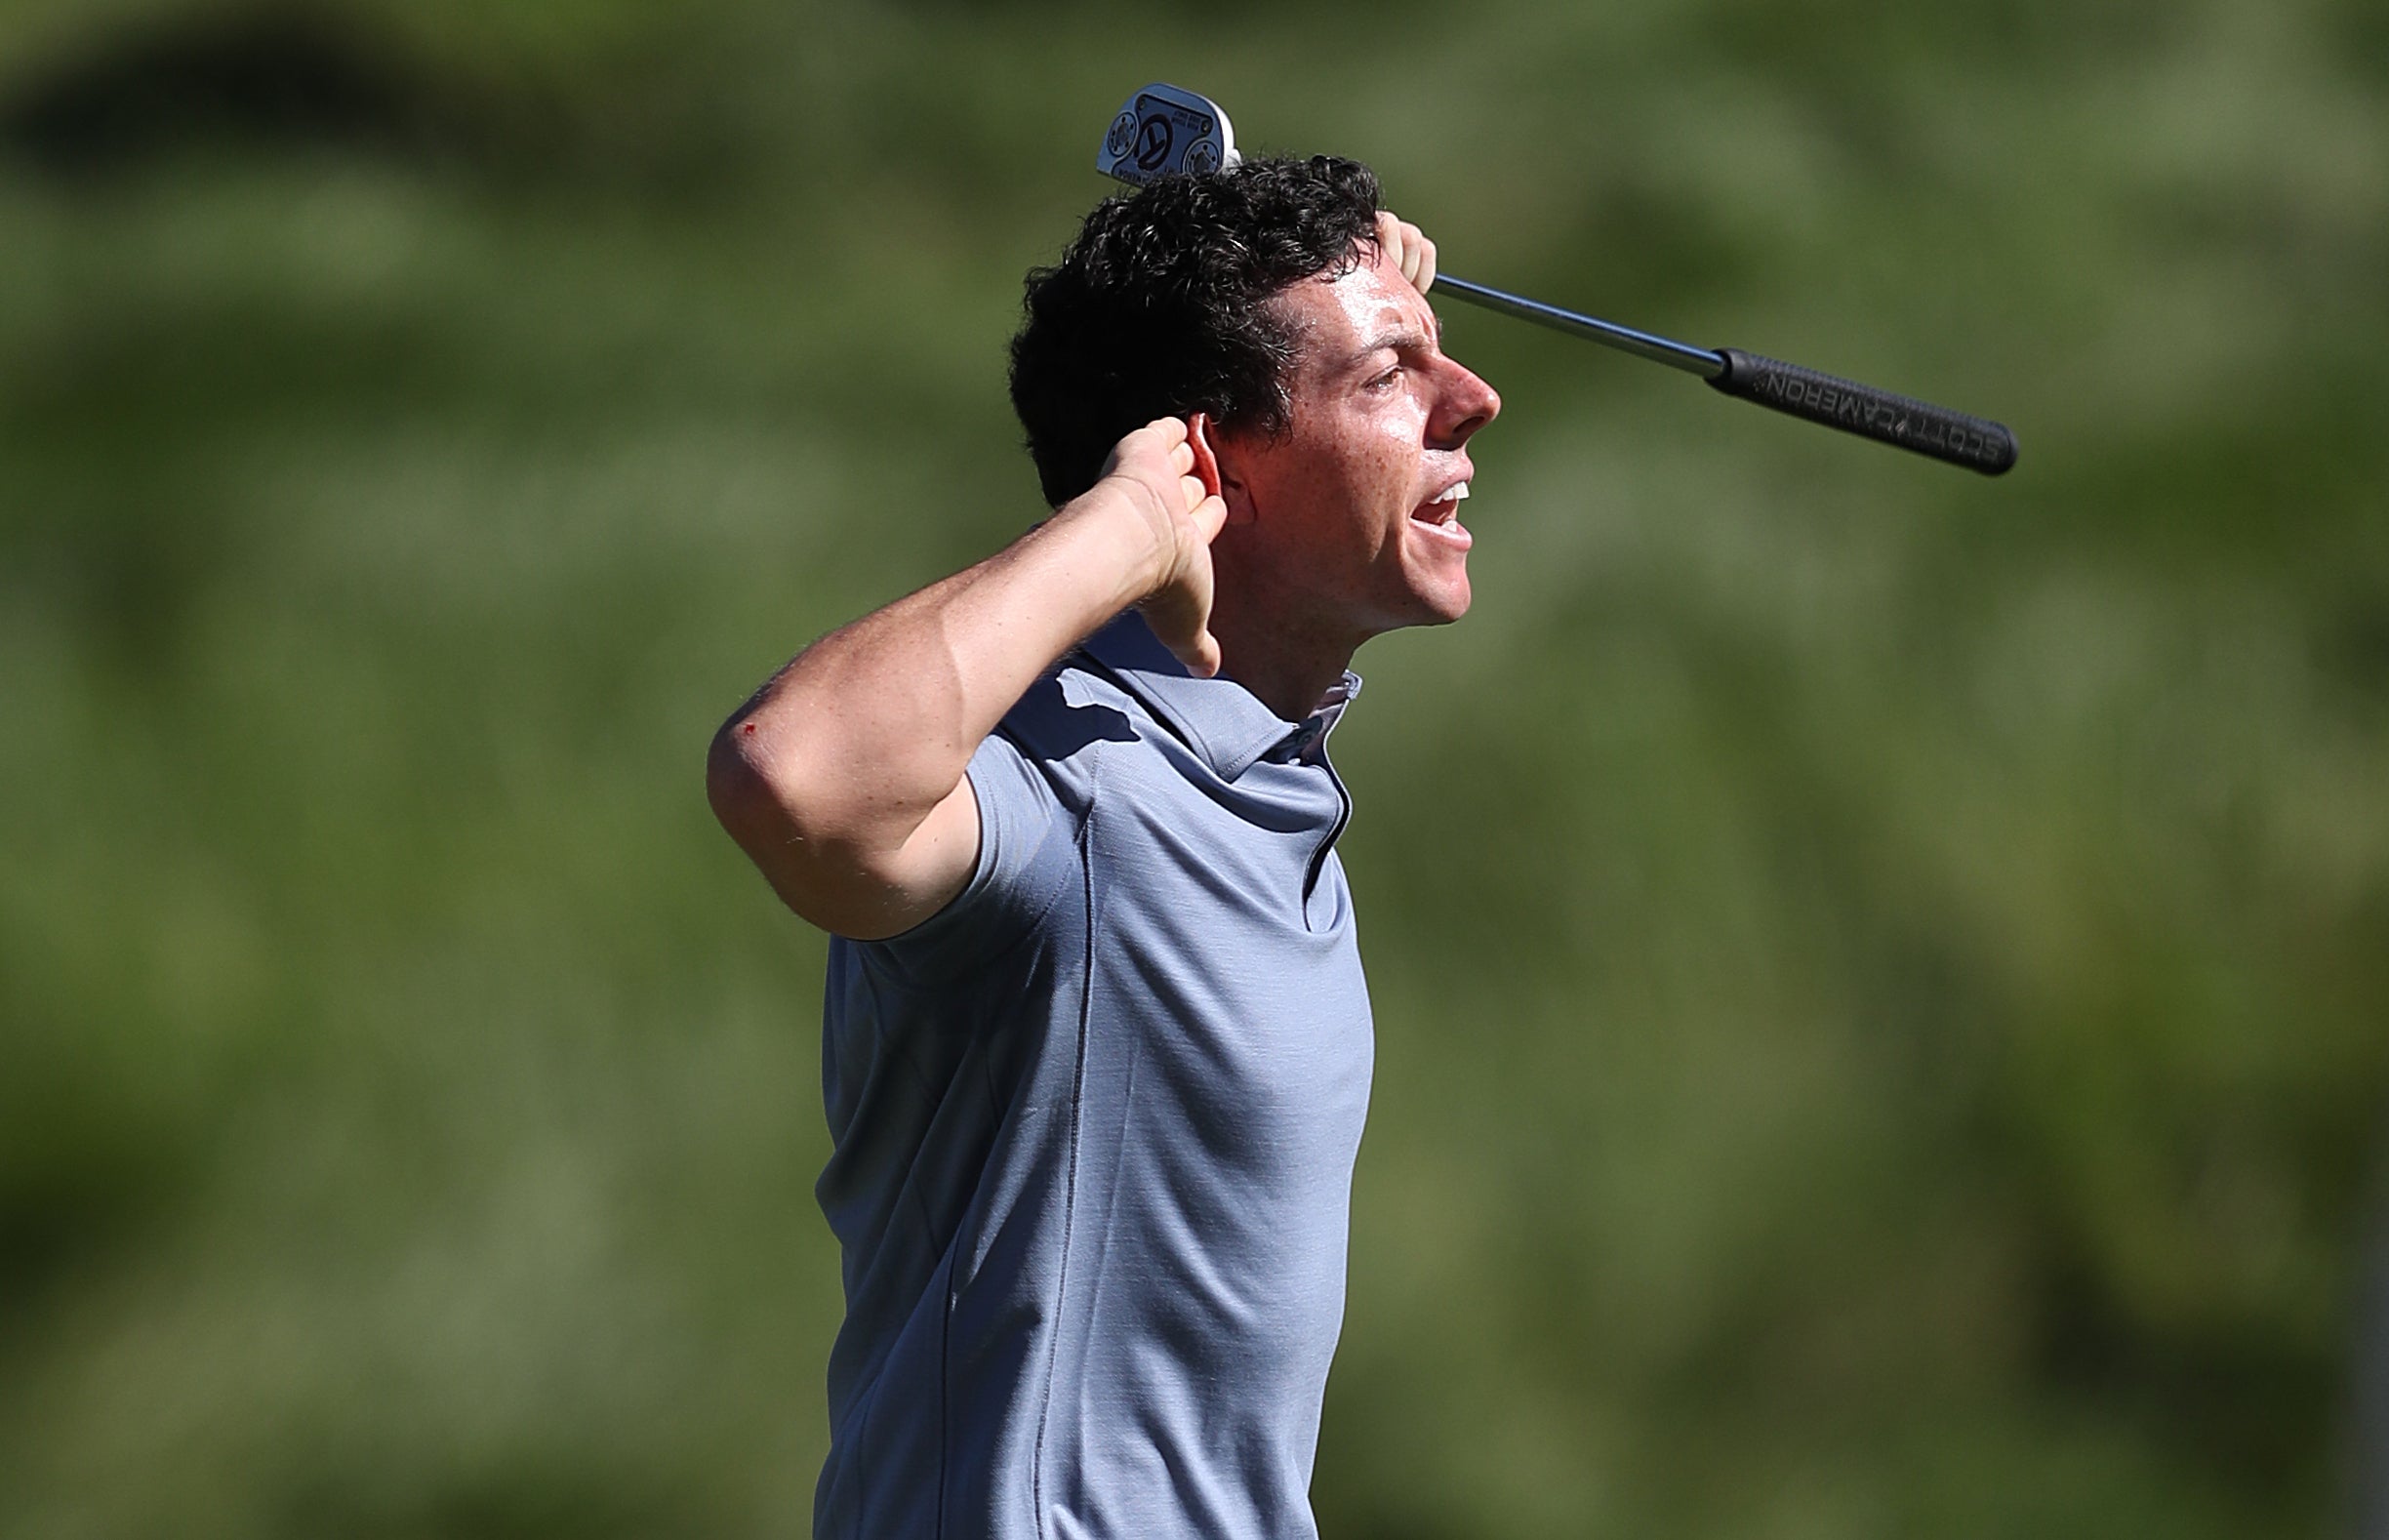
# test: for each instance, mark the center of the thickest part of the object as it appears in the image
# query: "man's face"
(1349, 520)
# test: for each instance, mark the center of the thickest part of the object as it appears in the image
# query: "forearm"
(850, 747)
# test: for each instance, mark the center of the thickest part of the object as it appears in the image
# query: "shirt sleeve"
(1025, 853)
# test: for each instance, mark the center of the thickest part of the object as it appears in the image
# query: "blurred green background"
(1883, 976)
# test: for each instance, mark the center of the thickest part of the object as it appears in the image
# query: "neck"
(1266, 647)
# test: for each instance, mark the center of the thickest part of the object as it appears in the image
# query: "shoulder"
(1034, 780)
(1065, 724)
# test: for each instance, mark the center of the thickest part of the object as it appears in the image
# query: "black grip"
(1975, 442)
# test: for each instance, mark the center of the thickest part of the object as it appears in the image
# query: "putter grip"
(1975, 442)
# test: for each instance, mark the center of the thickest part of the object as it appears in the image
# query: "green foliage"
(1880, 974)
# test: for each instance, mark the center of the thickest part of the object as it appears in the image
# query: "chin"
(1441, 604)
(1449, 597)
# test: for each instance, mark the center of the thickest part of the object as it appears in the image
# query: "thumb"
(1210, 516)
(1201, 656)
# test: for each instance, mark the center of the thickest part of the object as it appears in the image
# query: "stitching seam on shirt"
(1069, 1187)
(1021, 943)
(944, 1393)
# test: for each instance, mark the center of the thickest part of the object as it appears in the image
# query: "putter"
(1164, 129)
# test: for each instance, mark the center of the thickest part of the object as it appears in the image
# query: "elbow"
(775, 794)
(740, 785)
(769, 800)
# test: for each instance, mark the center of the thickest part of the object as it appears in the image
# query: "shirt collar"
(1219, 719)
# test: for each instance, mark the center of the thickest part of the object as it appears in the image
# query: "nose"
(1466, 404)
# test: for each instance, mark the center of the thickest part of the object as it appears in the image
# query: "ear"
(1227, 488)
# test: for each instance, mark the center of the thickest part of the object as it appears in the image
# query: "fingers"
(1407, 248)
(1165, 438)
(1160, 435)
(1160, 453)
(1389, 240)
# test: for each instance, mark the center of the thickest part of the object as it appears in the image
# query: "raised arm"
(842, 778)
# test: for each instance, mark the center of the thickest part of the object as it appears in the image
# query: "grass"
(1878, 973)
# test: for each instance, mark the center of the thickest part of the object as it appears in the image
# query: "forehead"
(1337, 318)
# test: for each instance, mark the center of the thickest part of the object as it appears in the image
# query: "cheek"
(1376, 457)
(1390, 459)
(1352, 478)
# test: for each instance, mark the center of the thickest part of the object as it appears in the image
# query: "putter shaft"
(1902, 422)
(1643, 345)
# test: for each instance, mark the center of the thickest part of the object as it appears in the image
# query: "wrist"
(1123, 520)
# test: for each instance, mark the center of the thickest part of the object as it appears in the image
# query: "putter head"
(1163, 129)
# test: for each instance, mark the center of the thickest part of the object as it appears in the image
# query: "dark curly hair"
(1159, 307)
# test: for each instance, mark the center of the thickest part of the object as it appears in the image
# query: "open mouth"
(1442, 515)
(1446, 506)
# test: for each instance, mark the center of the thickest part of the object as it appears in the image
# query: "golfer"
(1096, 1042)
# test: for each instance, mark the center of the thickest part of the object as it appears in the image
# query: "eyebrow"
(1403, 336)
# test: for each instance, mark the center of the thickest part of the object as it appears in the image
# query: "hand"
(1407, 249)
(1166, 472)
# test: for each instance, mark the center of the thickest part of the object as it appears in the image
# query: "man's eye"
(1385, 381)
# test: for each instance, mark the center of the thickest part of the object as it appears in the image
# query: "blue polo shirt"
(1094, 1129)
